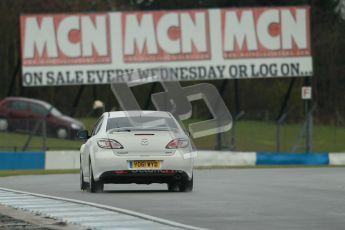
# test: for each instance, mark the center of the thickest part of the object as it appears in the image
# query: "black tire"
(172, 187)
(83, 184)
(186, 185)
(94, 186)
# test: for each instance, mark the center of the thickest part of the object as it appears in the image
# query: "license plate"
(145, 164)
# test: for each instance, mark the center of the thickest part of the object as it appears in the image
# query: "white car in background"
(141, 147)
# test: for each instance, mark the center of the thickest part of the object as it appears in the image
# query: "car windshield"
(52, 110)
(55, 112)
(140, 123)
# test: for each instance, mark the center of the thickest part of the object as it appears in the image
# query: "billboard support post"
(77, 99)
(283, 113)
(44, 133)
(219, 144)
(278, 131)
(283, 108)
(309, 118)
(152, 90)
(13, 79)
(94, 93)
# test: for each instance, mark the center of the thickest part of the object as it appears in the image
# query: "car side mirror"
(83, 134)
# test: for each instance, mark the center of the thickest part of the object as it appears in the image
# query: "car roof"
(135, 113)
(43, 103)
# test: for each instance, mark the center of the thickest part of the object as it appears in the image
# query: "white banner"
(207, 44)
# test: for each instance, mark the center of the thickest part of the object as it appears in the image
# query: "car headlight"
(75, 126)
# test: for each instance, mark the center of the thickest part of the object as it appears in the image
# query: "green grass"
(261, 136)
(16, 141)
(5, 173)
(250, 136)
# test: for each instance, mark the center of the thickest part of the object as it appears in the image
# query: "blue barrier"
(265, 158)
(37, 160)
(21, 160)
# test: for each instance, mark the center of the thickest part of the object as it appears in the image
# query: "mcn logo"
(65, 39)
(265, 32)
(180, 36)
(166, 36)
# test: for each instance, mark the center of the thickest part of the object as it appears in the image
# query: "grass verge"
(250, 136)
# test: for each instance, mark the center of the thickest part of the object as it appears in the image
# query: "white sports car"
(140, 147)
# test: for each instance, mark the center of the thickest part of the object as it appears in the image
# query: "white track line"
(110, 208)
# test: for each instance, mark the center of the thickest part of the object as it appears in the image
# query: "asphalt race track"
(288, 198)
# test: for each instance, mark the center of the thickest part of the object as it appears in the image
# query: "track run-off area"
(255, 198)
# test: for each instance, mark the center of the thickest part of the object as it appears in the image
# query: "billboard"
(203, 44)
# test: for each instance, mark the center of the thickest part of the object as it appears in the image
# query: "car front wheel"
(94, 186)
(3, 124)
(173, 187)
(61, 133)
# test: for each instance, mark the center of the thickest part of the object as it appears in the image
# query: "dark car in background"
(23, 114)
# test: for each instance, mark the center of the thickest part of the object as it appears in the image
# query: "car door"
(37, 113)
(19, 115)
(88, 145)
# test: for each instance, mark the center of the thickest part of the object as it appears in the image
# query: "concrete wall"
(62, 160)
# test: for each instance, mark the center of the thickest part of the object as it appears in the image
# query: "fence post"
(233, 130)
(279, 123)
(309, 119)
(44, 133)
